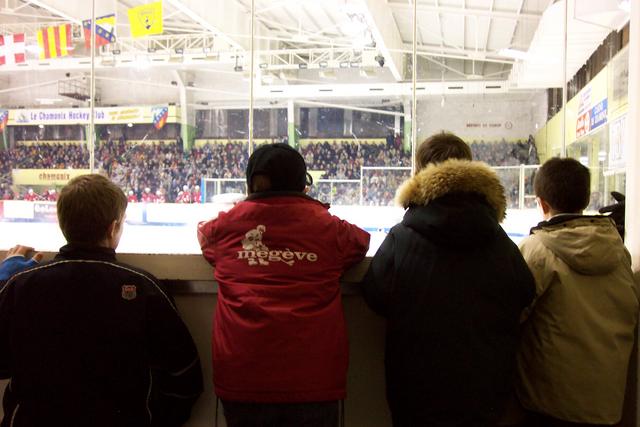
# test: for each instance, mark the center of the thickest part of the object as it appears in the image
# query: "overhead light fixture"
(354, 64)
(303, 66)
(151, 49)
(48, 101)
(327, 74)
(237, 68)
(130, 125)
(206, 49)
(625, 5)
(116, 51)
(344, 64)
(179, 50)
(142, 62)
(263, 66)
(323, 64)
(514, 53)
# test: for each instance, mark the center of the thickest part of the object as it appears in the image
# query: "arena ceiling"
(310, 49)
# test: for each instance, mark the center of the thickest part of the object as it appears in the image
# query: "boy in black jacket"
(451, 285)
(88, 341)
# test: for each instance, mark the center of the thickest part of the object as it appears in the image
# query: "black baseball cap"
(283, 164)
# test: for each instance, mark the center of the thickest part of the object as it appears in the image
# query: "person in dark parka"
(451, 285)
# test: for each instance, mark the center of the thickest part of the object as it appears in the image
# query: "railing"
(377, 186)
(518, 184)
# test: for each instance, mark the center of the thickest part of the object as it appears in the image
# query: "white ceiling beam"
(486, 41)
(467, 11)
(376, 91)
(199, 17)
(386, 34)
(515, 29)
(455, 53)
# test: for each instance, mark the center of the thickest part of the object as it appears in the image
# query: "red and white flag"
(12, 49)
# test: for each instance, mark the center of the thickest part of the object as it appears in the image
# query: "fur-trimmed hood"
(453, 176)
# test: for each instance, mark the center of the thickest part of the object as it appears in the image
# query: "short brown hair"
(87, 206)
(565, 184)
(440, 147)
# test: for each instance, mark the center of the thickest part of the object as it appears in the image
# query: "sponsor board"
(592, 119)
(45, 211)
(74, 116)
(18, 209)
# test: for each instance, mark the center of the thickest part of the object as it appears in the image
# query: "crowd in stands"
(504, 153)
(165, 172)
(343, 160)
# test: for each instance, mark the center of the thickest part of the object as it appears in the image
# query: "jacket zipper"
(148, 397)
(13, 416)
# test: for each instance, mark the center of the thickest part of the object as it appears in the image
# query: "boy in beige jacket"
(578, 334)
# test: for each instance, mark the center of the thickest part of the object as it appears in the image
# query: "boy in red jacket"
(280, 350)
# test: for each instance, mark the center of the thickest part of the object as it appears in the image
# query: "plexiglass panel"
(184, 90)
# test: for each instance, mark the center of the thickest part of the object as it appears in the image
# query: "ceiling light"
(263, 66)
(179, 50)
(344, 64)
(48, 101)
(327, 74)
(116, 51)
(237, 68)
(625, 5)
(323, 64)
(142, 62)
(514, 53)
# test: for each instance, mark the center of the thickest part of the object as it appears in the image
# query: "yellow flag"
(146, 20)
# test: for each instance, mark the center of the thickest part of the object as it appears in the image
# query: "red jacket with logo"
(279, 333)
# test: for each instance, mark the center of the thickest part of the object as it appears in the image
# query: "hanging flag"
(105, 29)
(160, 116)
(55, 41)
(12, 49)
(146, 20)
(4, 119)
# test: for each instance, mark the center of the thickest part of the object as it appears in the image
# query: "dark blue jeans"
(307, 414)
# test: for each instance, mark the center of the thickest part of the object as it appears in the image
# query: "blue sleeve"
(13, 265)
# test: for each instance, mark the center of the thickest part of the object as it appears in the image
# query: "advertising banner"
(598, 115)
(45, 177)
(18, 209)
(618, 135)
(81, 116)
(45, 211)
(592, 119)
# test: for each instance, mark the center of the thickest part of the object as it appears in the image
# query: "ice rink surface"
(180, 238)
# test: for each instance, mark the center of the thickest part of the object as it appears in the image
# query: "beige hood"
(589, 245)
(453, 176)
